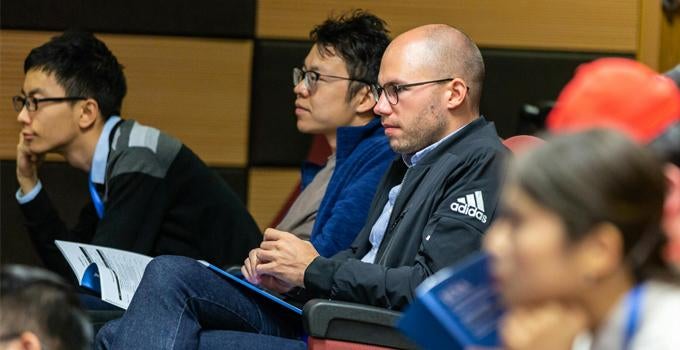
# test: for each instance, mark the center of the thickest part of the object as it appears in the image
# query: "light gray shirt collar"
(101, 152)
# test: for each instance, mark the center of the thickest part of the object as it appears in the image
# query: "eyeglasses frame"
(318, 75)
(378, 90)
(35, 101)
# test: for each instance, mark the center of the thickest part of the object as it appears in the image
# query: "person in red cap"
(628, 96)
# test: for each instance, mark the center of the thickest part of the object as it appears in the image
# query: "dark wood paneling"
(237, 179)
(206, 18)
(67, 188)
(515, 77)
(274, 138)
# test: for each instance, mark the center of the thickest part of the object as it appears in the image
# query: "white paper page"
(112, 291)
(126, 269)
(76, 256)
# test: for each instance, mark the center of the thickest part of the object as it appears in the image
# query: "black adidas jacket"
(434, 222)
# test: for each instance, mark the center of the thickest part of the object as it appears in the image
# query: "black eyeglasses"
(392, 90)
(31, 103)
(311, 77)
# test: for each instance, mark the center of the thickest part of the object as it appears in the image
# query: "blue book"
(456, 308)
(253, 288)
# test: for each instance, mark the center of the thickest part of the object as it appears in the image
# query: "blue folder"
(455, 308)
(254, 288)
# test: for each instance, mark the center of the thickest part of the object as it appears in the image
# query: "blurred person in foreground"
(577, 248)
(627, 96)
(38, 310)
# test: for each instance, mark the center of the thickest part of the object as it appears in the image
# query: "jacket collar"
(472, 129)
(349, 137)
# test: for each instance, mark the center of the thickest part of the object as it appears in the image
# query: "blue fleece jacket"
(362, 157)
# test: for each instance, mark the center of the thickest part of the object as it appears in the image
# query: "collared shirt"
(101, 152)
(380, 226)
(300, 218)
(99, 160)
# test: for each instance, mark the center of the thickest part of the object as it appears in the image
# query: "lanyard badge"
(96, 199)
(633, 302)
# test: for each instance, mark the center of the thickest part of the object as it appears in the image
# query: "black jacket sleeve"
(132, 220)
(44, 226)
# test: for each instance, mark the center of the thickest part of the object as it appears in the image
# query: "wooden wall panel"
(580, 25)
(14, 46)
(195, 89)
(268, 190)
(650, 33)
(670, 43)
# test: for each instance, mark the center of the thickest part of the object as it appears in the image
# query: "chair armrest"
(352, 322)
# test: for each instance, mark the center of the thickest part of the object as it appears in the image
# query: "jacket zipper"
(396, 221)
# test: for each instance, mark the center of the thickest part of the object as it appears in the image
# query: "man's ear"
(29, 341)
(364, 100)
(600, 252)
(89, 112)
(457, 91)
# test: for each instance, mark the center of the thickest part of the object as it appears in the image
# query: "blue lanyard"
(96, 199)
(633, 301)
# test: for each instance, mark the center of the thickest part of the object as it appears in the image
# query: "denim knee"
(106, 335)
(167, 270)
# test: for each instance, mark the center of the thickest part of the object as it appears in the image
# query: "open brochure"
(456, 308)
(115, 274)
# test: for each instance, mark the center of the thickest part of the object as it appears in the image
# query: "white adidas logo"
(471, 205)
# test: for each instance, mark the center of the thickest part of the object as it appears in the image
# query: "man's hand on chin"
(27, 166)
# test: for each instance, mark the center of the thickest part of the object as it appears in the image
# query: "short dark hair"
(359, 38)
(39, 301)
(83, 66)
(600, 176)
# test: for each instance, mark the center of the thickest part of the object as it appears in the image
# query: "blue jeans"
(180, 304)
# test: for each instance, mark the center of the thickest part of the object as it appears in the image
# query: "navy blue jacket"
(363, 155)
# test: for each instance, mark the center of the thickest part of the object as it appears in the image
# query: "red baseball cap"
(617, 93)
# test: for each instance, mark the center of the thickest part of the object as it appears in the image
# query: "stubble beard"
(427, 129)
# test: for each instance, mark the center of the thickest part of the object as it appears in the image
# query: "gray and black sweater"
(159, 198)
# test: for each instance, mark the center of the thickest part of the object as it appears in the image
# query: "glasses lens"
(311, 78)
(18, 103)
(376, 90)
(298, 74)
(391, 93)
